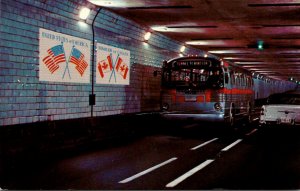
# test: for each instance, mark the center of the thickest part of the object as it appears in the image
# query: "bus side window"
(226, 78)
(232, 79)
(167, 76)
(243, 80)
(240, 80)
(249, 82)
(237, 80)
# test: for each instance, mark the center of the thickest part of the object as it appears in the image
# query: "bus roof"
(192, 57)
(236, 67)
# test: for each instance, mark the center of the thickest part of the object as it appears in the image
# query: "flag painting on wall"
(63, 58)
(113, 65)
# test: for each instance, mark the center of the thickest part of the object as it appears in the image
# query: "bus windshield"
(208, 77)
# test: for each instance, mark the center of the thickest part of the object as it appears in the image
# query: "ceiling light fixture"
(84, 13)
(182, 49)
(147, 36)
(260, 45)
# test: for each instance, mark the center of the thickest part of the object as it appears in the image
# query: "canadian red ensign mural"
(113, 65)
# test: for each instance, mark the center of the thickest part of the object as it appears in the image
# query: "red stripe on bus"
(180, 99)
(236, 91)
(207, 95)
(200, 98)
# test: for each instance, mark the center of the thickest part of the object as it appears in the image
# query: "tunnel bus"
(206, 89)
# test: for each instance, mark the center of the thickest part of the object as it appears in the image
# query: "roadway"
(176, 156)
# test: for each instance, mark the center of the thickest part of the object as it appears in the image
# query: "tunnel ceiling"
(229, 29)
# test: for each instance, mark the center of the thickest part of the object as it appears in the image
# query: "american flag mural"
(77, 58)
(55, 56)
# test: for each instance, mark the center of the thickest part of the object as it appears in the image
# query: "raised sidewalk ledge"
(40, 138)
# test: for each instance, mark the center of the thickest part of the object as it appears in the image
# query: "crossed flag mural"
(112, 65)
(65, 58)
(56, 55)
(107, 66)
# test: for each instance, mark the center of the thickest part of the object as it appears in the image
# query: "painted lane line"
(232, 145)
(250, 133)
(147, 171)
(203, 144)
(188, 174)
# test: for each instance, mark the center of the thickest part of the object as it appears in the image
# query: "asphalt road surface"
(179, 157)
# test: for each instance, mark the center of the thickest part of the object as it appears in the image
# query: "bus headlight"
(218, 106)
(165, 106)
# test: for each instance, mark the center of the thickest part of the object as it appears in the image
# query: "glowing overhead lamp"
(182, 49)
(205, 55)
(147, 36)
(260, 45)
(84, 13)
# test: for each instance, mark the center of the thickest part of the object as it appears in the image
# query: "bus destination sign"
(193, 63)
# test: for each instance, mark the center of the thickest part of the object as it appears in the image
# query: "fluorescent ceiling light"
(250, 63)
(227, 51)
(160, 28)
(179, 30)
(116, 3)
(230, 58)
(205, 42)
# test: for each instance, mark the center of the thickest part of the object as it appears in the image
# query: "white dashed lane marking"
(203, 144)
(251, 132)
(147, 171)
(189, 173)
(232, 145)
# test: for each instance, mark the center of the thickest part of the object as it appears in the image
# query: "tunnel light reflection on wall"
(147, 36)
(84, 13)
